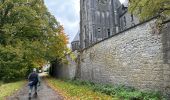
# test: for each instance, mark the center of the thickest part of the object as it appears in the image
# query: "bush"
(123, 92)
(13, 65)
(13, 72)
(153, 95)
(135, 95)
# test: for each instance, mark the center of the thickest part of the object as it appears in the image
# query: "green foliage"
(29, 36)
(121, 91)
(1, 83)
(145, 9)
(77, 92)
(9, 61)
(73, 56)
(8, 89)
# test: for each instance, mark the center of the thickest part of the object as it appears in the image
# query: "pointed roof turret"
(77, 37)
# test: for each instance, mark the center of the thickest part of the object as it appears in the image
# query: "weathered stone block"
(135, 58)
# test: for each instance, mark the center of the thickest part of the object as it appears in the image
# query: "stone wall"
(135, 57)
(64, 70)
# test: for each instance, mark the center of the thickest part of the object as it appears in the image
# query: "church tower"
(98, 20)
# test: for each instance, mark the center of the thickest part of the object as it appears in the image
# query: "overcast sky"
(67, 13)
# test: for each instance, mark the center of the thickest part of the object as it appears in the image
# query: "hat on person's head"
(34, 69)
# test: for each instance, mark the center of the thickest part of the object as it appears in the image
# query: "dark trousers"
(31, 88)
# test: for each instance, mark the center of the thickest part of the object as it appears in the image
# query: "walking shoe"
(29, 96)
(35, 93)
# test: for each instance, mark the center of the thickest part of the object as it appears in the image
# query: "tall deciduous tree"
(29, 36)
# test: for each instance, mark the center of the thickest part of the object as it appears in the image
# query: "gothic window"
(93, 17)
(76, 45)
(87, 15)
(107, 13)
(108, 32)
(124, 18)
(83, 4)
(116, 5)
(92, 3)
(95, 30)
(132, 19)
(85, 29)
(98, 30)
(91, 37)
(99, 35)
(100, 17)
(102, 1)
(103, 18)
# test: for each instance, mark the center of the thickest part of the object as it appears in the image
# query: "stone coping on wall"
(123, 31)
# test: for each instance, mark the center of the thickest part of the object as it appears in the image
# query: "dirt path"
(44, 93)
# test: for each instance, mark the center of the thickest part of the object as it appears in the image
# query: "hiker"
(34, 81)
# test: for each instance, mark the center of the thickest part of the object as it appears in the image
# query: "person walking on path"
(46, 92)
(34, 81)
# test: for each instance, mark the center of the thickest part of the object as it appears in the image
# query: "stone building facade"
(129, 53)
(100, 19)
(137, 57)
(75, 44)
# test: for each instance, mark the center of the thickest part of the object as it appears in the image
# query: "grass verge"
(121, 91)
(7, 89)
(76, 92)
(80, 88)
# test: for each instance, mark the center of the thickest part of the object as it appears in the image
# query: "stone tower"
(98, 20)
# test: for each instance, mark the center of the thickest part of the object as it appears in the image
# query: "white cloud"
(122, 1)
(77, 5)
(67, 13)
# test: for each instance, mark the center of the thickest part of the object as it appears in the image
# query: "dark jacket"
(33, 79)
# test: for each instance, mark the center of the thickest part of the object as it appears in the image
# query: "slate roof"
(77, 37)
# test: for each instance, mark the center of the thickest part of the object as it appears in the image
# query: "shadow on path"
(44, 93)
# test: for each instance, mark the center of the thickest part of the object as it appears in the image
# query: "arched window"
(132, 19)
(108, 32)
(124, 19)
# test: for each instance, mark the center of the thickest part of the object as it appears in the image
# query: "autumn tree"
(146, 9)
(29, 36)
